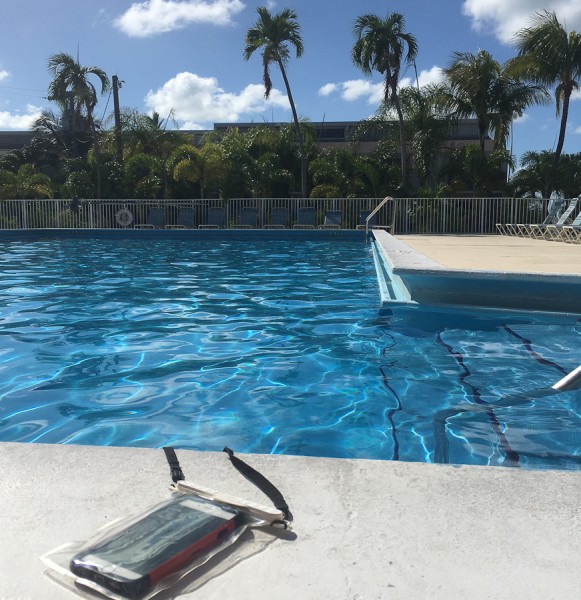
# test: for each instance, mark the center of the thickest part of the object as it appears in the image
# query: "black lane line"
(441, 417)
(391, 413)
(529, 347)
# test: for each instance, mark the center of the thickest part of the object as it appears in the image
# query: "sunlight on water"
(271, 346)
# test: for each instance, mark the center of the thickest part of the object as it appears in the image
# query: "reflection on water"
(275, 346)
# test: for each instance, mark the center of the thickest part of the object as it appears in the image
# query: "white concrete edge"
(406, 260)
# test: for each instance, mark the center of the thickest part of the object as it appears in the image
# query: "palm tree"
(274, 34)
(548, 55)
(72, 89)
(538, 176)
(383, 45)
(479, 86)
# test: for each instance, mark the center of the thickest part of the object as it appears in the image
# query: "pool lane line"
(511, 455)
(528, 344)
(391, 412)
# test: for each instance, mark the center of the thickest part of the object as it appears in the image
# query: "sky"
(184, 57)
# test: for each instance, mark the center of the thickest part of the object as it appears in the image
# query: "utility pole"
(117, 114)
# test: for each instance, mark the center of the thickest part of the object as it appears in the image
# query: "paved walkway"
(498, 253)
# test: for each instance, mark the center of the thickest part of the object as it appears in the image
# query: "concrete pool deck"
(509, 254)
(485, 271)
(364, 529)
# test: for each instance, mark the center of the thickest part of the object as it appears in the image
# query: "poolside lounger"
(216, 218)
(278, 218)
(526, 230)
(305, 218)
(554, 231)
(248, 217)
(332, 220)
(155, 219)
(185, 219)
(363, 218)
(572, 233)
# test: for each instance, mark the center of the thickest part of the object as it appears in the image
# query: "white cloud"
(327, 89)
(196, 100)
(434, 76)
(503, 18)
(17, 121)
(4, 75)
(577, 130)
(152, 17)
(356, 89)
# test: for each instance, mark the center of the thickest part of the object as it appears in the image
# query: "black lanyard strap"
(174, 464)
(259, 480)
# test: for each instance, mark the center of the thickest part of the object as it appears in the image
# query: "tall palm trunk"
(560, 142)
(564, 116)
(402, 136)
(297, 129)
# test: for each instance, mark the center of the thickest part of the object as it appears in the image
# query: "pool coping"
(363, 528)
(428, 282)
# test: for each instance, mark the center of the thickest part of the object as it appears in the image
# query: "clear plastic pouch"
(161, 548)
(182, 542)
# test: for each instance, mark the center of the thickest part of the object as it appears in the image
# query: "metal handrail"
(374, 212)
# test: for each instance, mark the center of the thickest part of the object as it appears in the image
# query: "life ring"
(124, 217)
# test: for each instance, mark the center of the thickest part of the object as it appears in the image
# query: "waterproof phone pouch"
(139, 557)
(132, 561)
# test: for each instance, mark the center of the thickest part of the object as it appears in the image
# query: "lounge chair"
(532, 229)
(185, 219)
(248, 217)
(332, 220)
(278, 218)
(554, 231)
(216, 218)
(155, 219)
(305, 218)
(572, 233)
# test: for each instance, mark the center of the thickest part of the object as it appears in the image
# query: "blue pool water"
(271, 347)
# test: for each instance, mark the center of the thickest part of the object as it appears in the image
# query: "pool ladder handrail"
(571, 381)
(374, 212)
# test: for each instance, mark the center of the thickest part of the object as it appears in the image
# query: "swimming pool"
(270, 347)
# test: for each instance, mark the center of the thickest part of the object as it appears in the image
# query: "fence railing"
(402, 215)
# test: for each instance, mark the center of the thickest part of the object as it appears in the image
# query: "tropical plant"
(479, 86)
(26, 183)
(144, 176)
(538, 176)
(72, 89)
(427, 126)
(471, 171)
(142, 133)
(550, 56)
(384, 46)
(334, 173)
(276, 35)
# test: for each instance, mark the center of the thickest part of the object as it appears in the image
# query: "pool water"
(271, 347)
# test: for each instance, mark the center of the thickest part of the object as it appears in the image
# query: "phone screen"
(161, 542)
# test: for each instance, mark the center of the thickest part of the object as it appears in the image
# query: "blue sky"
(186, 56)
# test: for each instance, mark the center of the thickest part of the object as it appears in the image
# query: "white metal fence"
(403, 215)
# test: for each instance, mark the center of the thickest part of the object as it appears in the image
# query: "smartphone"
(133, 560)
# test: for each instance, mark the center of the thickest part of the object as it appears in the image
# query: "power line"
(11, 87)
